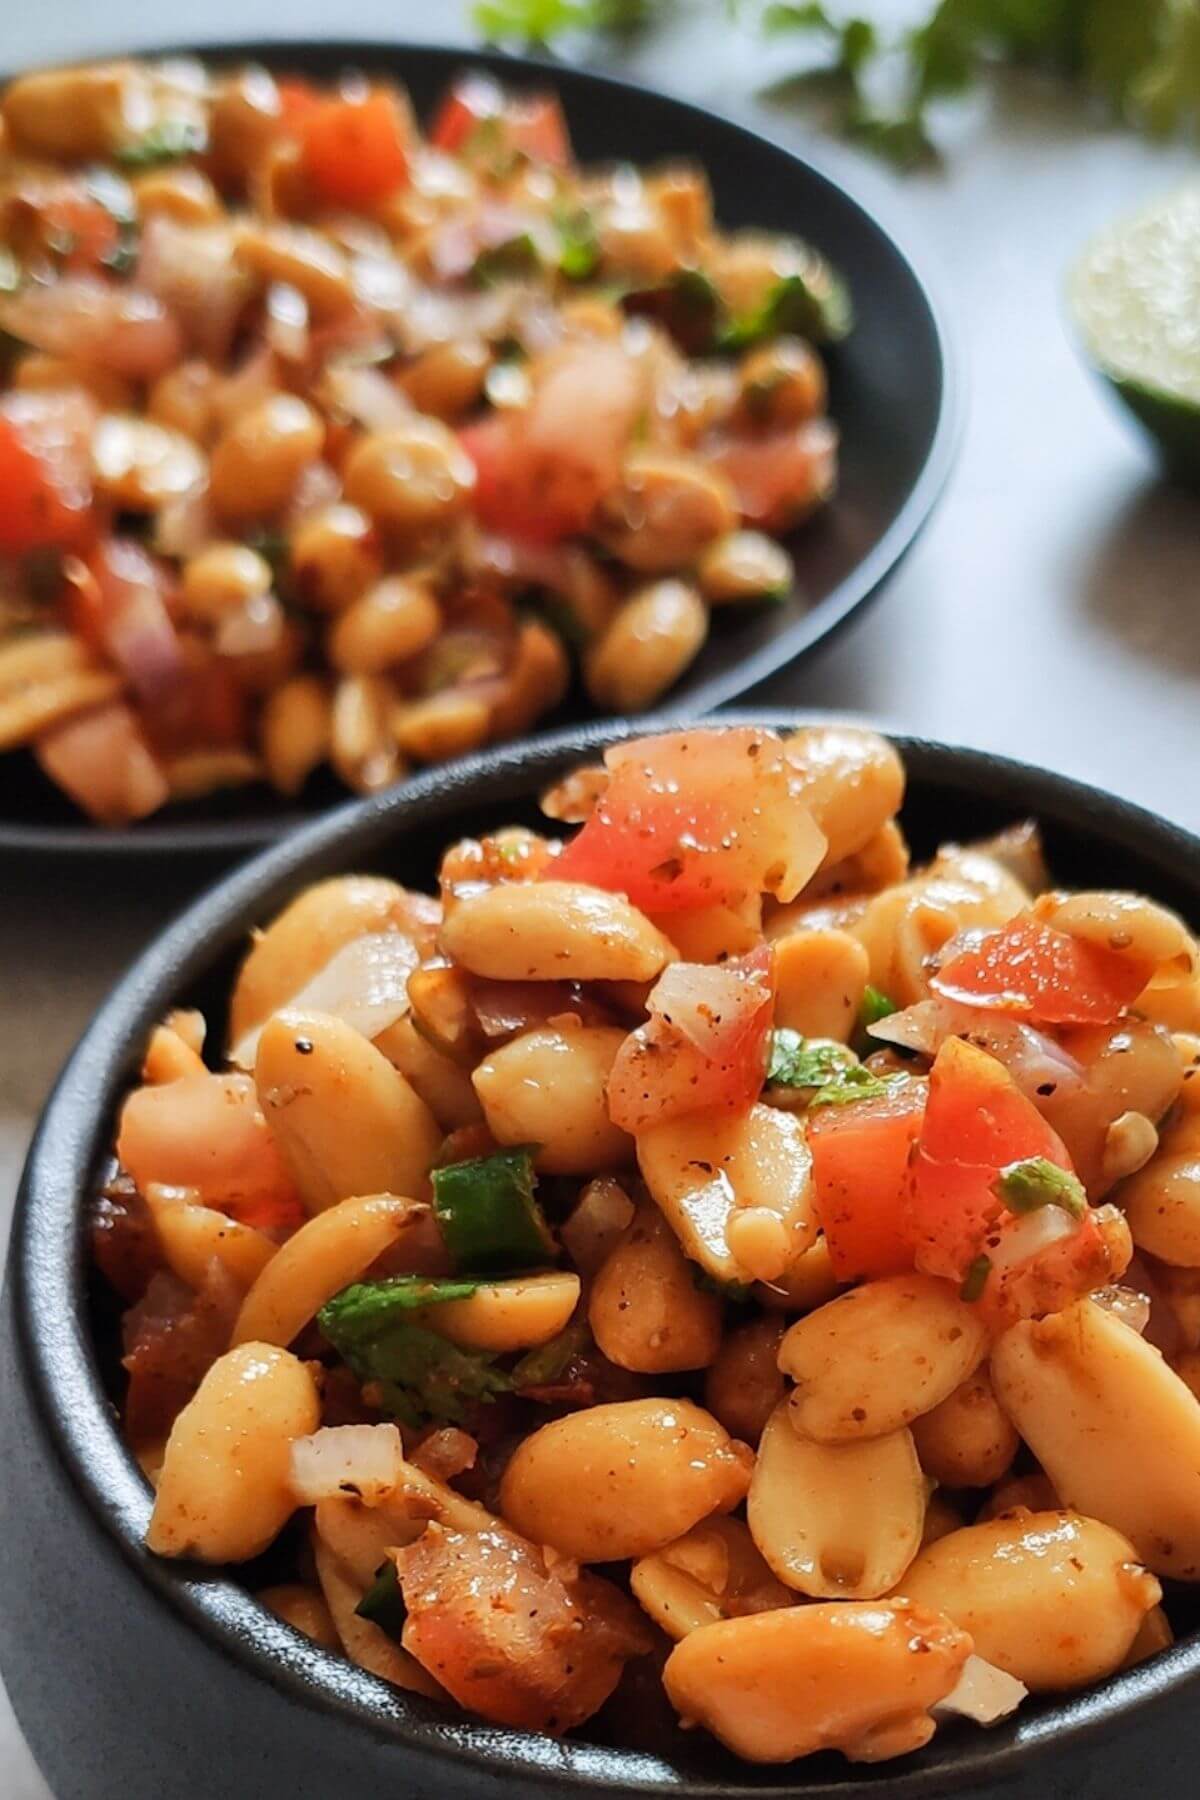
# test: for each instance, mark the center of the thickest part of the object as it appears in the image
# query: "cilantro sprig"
(419, 1376)
(1138, 58)
(830, 1070)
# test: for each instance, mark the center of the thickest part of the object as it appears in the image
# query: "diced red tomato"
(1034, 971)
(705, 1047)
(694, 818)
(862, 1174)
(353, 151)
(530, 124)
(541, 474)
(45, 487)
(525, 1644)
(779, 477)
(297, 99)
(80, 231)
(976, 1123)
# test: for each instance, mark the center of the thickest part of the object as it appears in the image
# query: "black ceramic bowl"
(143, 1680)
(892, 394)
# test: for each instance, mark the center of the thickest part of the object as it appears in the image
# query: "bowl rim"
(48, 1272)
(210, 838)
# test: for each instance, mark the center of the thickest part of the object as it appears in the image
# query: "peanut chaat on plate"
(323, 440)
(698, 1243)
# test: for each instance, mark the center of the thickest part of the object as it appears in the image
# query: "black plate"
(892, 394)
(141, 1680)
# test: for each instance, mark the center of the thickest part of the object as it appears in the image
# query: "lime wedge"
(1135, 296)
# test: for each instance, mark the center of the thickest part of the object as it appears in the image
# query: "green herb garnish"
(852, 1084)
(383, 1602)
(579, 247)
(419, 1375)
(542, 22)
(976, 1278)
(1027, 1186)
(488, 1215)
(513, 260)
(875, 1005)
(549, 1362)
(813, 304)
(686, 304)
(736, 1292)
(168, 142)
(800, 1062)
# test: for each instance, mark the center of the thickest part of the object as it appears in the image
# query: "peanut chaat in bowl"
(697, 1261)
(326, 441)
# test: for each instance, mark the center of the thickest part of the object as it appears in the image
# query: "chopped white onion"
(362, 1460)
(364, 395)
(1126, 1304)
(365, 984)
(1030, 1235)
(706, 1003)
(983, 1693)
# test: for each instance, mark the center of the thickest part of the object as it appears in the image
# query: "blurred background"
(1050, 610)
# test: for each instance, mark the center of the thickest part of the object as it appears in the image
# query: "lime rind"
(1135, 297)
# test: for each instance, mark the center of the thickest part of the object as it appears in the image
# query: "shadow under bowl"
(136, 1678)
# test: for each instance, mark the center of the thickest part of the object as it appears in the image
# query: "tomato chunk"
(45, 490)
(705, 1047)
(1034, 971)
(694, 818)
(352, 150)
(513, 1637)
(862, 1172)
(976, 1123)
(538, 475)
(780, 476)
(529, 124)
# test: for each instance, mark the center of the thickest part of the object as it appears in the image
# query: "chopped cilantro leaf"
(383, 1603)
(814, 304)
(549, 1362)
(801, 1062)
(513, 260)
(1035, 1182)
(875, 1006)
(853, 1084)
(976, 1278)
(169, 141)
(579, 248)
(418, 1375)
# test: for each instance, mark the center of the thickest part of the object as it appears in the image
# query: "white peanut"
(1115, 1429)
(622, 1479)
(780, 1685)
(878, 1357)
(645, 1310)
(1052, 1598)
(548, 1087)
(224, 1492)
(325, 1255)
(836, 1521)
(554, 931)
(705, 1172)
(346, 1121)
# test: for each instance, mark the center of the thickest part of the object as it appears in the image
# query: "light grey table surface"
(1051, 610)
